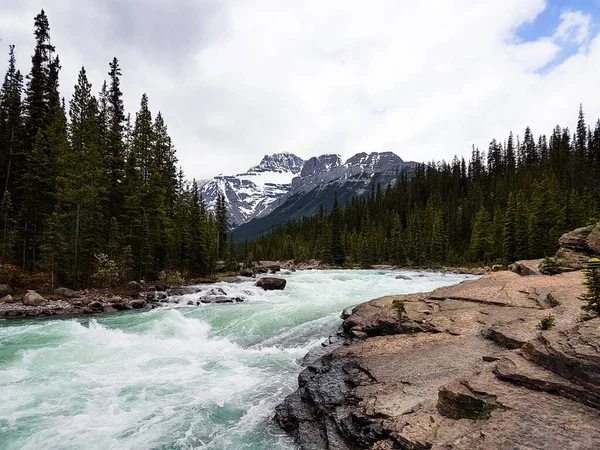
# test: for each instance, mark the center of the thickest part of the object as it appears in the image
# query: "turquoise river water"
(206, 377)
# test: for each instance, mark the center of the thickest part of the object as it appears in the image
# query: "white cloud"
(574, 27)
(237, 79)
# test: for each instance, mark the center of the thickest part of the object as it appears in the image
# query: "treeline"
(512, 203)
(88, 190)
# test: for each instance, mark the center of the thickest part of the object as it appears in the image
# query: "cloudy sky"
(237, 79)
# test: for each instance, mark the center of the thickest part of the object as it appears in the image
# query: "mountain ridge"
(283, 178)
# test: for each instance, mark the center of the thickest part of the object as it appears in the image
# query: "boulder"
(585, 239)
(96, 306)
(402, 277)
(121, 306)
(6, 299)
(137, 304)
(135, 286)
(576, 239)
(497, 268)
(247, 273)
(115, 299)
(592, 242)
(221, 299)
(527, 267)
(5, 289)
(65, 292)
(571, 259)
(32, 298)
(274, 268)
(271, 284)
(457, 400)
(231, 280)
(216, 292)
(160, 295)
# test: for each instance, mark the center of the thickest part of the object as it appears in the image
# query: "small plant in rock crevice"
(400, 308)
(546, 322)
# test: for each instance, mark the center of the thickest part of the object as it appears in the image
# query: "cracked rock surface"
(465, 368)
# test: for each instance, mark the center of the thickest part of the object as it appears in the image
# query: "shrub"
(592, 296)
(546, 322)
(400, 308)
(107, 270)
(550, 266)
(170, 277)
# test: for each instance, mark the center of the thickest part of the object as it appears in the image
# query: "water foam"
(205, 377)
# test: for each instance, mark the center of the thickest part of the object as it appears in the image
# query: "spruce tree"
(114, 145)
(510, 230)
(338, 256)
(11, 121)
(482, 237)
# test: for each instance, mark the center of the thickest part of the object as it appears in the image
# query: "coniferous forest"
(509, 203)
(88, 189)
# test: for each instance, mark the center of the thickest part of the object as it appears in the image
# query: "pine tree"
(482, 237)
(114, 145)
(11, 121)
(6, 209)
(338, 256)
(510, 230)
(521, 230)
(222, 227)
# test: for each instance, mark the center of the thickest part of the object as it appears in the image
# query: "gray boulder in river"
(271, 284)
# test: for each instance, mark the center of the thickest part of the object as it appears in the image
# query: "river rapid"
(202, 377)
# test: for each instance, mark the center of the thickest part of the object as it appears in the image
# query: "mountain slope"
(253, 192)
(317, 184)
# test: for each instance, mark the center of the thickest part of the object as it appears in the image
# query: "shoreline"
(99, 302)
(461, 361)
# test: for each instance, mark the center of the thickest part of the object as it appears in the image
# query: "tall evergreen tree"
(337, 249)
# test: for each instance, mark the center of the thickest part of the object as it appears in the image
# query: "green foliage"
(512, 205)
(592, 296)
(107, 271)
(550, 266)
(482, 238)
(546, 322)
(93, 197)
(400, 308)
(171, 278)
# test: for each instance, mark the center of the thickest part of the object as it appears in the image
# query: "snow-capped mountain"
(320, 178)
(249, 194)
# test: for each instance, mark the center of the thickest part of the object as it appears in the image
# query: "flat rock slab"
(509, 289)
(440, 377)
(520, 419)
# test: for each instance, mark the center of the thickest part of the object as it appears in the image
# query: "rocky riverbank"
(68, 303)
(464, 367)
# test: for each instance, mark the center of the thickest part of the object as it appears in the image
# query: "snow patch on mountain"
(251, 193)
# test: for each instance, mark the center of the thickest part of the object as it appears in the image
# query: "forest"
(509, 203)
(90, 191)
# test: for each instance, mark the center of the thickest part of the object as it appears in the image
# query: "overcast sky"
(237, 79)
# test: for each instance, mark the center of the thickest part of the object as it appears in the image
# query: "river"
(206, 377)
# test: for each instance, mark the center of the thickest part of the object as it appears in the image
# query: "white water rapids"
(202, 377)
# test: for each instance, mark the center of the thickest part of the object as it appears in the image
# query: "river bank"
(64, 302)
(465, 367)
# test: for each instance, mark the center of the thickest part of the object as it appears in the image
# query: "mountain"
(318, 181)
(249, 194)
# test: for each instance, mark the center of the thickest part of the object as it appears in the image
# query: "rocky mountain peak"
(375, 160)
(318, 164)
(279, 162)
